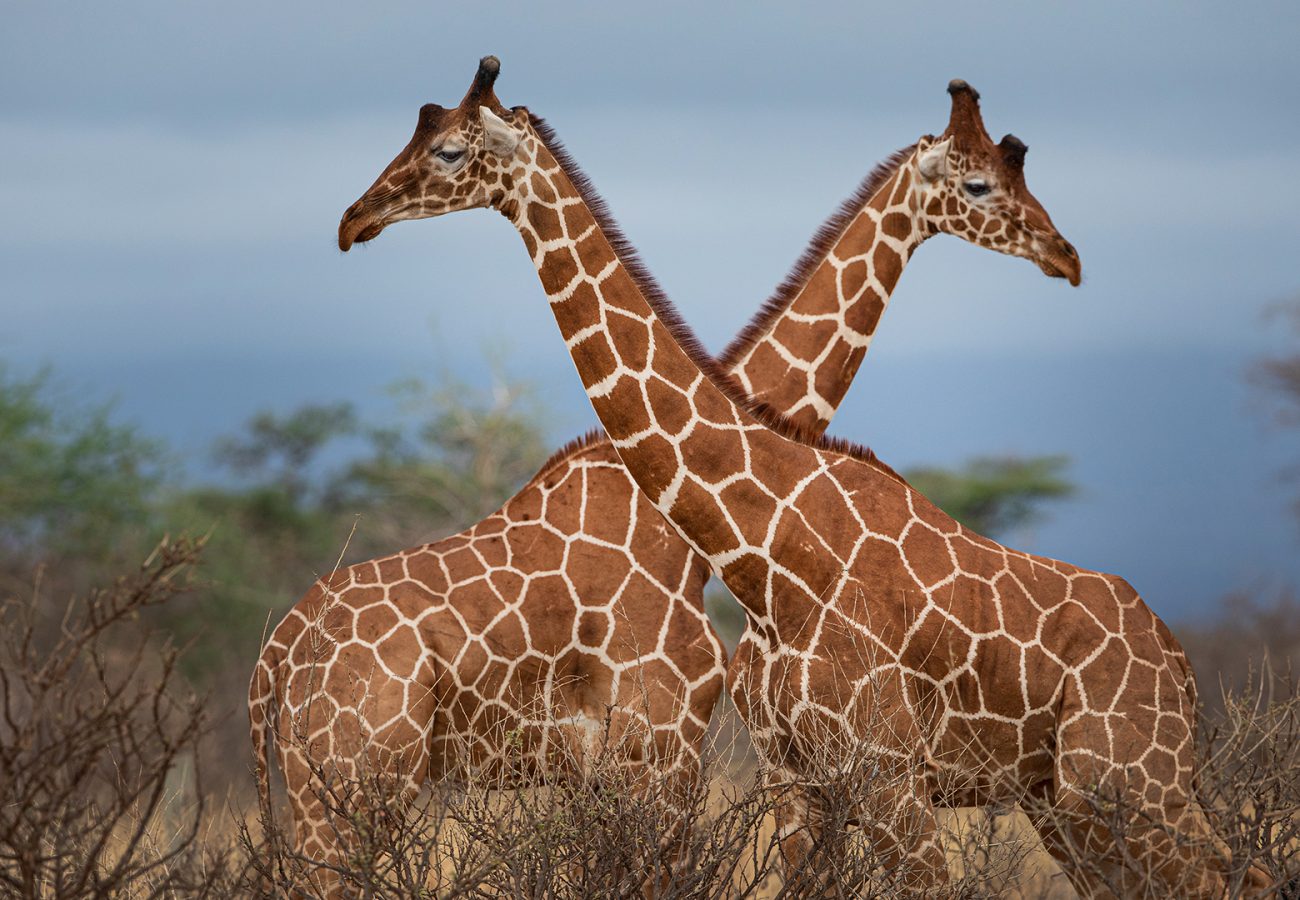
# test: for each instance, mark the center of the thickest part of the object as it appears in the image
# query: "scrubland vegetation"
(133, 602)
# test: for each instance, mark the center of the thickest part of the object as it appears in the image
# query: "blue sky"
(173, 175)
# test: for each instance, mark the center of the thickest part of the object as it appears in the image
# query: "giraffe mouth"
(1061, 267)
(358, 228)
(1059, 259)
(369, 233)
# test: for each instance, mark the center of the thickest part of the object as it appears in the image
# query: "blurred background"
(182, 346)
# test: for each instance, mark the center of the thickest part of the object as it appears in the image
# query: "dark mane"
(677, 327)
(826, 237)
(573, 447)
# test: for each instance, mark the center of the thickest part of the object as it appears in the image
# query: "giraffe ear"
(934, 162)
(499, 136)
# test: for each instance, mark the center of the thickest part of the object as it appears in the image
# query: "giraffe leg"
(347, 776)
(897, 839)
(797, 815)
(1125, 820)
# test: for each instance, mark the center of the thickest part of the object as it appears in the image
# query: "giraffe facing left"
(574, 597)
(972, 672)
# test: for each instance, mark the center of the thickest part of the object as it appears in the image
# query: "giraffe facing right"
(594, 602)
(874, 618)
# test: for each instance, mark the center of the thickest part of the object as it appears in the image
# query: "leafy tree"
(454, 454)
(994, 495)
(315, 487)
(73, 483)
(1279, 376)
(280, 450)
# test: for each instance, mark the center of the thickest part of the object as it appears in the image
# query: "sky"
(172, 176)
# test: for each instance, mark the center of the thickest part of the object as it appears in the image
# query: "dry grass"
(101, 796)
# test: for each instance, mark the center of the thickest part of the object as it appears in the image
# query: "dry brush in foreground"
(100, 795)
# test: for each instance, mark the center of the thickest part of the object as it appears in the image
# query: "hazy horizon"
(175, 175)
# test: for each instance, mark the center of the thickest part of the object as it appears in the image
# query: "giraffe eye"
(977, 187)
(449, 155)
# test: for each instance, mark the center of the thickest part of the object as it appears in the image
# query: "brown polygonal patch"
(564, 505)
(1103, 676)
(897, 225)
(598, 573)
(763, 365)
(823, 502)
(1044, 585)
(833, 375)
(852, 278)
(971, 601)
(927, 555)
(778, 463)
(634, 341)
(687, 643)
(652, 457)
(860, 233)
(882, 503)
(938, 646)
(752, 510)
(596, 361)
(472, 661)
(577, 219)
(886, 264)
(1070, 630)
(400, 651)
(557, 271)
(866, 312)
(610, 518)
(545, 221)
(463, 565)
(374, 622)
(390, 569)
(1019, 616)
(1093, 592)
(637, 632)
(1001, 659)
(596, 254)
(579, 311)
(593, 627)
(702, 518)
(804, 340)
(1042, 676)
(543, 189)
(796, 614)
(623, 409)
(549, 609)
(506, 637)
(711, 454)
(671, 410)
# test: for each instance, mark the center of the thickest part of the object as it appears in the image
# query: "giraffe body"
(973, 671)
(500, 652)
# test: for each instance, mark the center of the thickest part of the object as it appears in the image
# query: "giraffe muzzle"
(1058, 259)
(358, 225)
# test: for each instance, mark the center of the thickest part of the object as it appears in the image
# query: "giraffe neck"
(800, 356)
(643, 372)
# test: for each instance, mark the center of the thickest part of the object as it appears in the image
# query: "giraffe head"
(465, 157)
(975, 189)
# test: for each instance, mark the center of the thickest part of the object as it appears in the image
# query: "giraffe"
(818, 324)
(976, 673)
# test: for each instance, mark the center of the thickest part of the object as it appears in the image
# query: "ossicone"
(480, 92)
(965, 120)
(957, 86)
(1013, 151)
